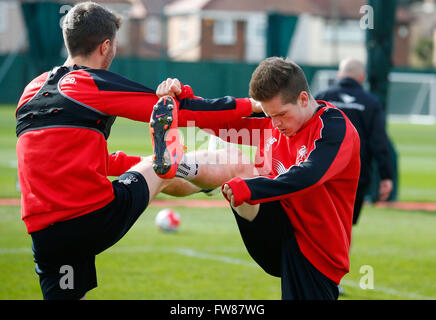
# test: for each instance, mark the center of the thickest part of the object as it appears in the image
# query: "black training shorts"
(65, 251)
(271, 242)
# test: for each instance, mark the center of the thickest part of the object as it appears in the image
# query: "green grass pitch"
(206, 259)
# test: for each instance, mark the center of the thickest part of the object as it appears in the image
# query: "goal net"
(411, 96)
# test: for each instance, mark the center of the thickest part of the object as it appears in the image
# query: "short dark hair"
(86, 26)
(275, 76)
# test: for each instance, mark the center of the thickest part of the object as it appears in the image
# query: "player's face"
(288, 118)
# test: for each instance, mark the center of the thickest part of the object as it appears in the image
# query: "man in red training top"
(295, 217)
(71, 209)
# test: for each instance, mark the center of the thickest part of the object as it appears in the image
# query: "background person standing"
(366, 113)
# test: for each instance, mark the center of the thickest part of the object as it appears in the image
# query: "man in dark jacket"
(366, 113)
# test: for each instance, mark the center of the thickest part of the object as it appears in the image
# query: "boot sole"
(160, 123)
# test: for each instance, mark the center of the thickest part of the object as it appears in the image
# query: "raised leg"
(155, 184)
(214, 169)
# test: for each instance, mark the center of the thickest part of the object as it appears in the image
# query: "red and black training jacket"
(64, 119)
(313, 174)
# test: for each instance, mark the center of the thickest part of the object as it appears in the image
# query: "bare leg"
(181, 188)
(155, 184)
(247, 211)
(177, 187)
(214, 172)
(215, 169)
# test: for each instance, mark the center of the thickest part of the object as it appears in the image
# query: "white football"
(167, 220)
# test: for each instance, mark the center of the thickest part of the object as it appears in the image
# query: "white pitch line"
(220, 258)
(15, 251)
(196, 254)
(186, 252)
(208, 256)
(390, 291)
(225, 259)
